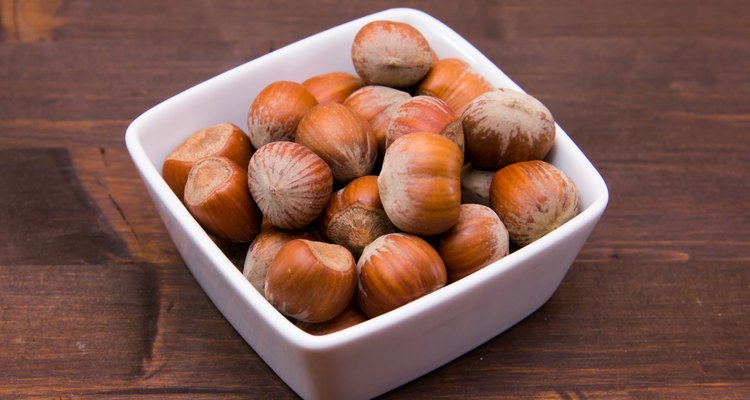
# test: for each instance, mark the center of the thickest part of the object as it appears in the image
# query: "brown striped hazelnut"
(332, 87)
(275, 112)
(532, 199)
(220, 140)
(263, 250)
(504, 126)
(420, 184)
(391, 54)
(340, 137)
(311, 281)
(377, 104)
(454, 81)
(216, 194)
(419, 114)
(290, 183)
(355, 216)
(478, 239)
(396, 269)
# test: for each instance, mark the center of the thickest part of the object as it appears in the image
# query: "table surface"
(96, 302)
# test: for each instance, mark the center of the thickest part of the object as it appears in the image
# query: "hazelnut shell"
(341, 138)
(533, 198)
(216, 194)
(332, 87)
(391, 54)
(355, 216)
(478, 239)
(311, 281)
(420, 183)
(275, 112)
(290, 184)
(396, 269)
(221, 140)
(454, 81)
(504, 126)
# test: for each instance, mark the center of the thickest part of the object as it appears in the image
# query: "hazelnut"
(533, 198)
(221, 140)
(478, 239)
(263, 250)
(355, 216)
(311, 281)
(290, 184)
(376, 104)
(396, 269)
(504, 126)
(419, 114)
(391, 54)
(341, 138)
(475, 185)
(420, 183)
(332, 87)
(216, 195)
(275, 112)
(454, 81)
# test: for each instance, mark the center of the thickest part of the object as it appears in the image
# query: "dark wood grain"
(95, 302)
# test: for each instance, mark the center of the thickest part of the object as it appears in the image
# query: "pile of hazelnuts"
(360, 193)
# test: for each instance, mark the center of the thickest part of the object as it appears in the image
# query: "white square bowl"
(385, 352)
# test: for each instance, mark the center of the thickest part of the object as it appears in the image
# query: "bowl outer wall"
(388, 351)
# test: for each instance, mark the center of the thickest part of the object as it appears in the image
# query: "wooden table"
(95, 302)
